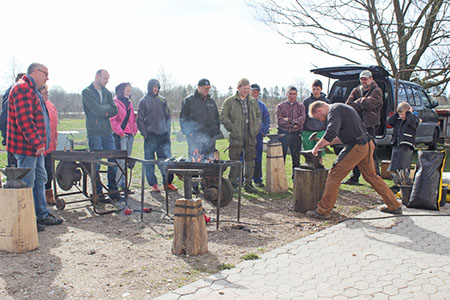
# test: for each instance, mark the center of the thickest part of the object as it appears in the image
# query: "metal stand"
(170, 165)
(87, 161)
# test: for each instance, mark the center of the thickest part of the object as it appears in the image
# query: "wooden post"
(308, 188)
(276, 181)
(18, 230)
(190, 235)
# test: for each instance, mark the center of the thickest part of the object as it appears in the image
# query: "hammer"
(313, 137)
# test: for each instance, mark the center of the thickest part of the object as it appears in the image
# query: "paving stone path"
(398, 258)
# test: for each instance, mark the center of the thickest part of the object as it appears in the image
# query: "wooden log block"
(190, 235)
(308, 188)
(18, 232)
(276, 181)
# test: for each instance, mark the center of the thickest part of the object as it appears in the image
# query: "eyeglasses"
(45, 73)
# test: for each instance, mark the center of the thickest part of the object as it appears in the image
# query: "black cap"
(204, 82)
(255, 87)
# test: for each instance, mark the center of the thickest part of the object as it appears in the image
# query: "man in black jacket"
(12, 162)
(99, 106)
(199, 121)
(313, 125)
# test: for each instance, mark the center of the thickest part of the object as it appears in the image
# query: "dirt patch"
(117, 256)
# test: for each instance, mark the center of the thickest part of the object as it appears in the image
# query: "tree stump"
(276, 181)
(308, 188)
(190, 235)
(18, 230)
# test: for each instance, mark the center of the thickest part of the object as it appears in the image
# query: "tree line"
(69, 105)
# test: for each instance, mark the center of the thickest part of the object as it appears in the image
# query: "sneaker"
(155, 188)
(50, 220)
(103, 199)
(249, 188)
(350, 182)
(314, 214)
(171, 187)
(397, 211)
(40, 227)
(116, 197)
(260, 184)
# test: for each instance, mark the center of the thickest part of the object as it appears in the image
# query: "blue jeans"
(126, 143)
(158, 144)
(35, 179)
(104, 143)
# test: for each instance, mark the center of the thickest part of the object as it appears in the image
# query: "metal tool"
(312, 162)
(14, 177)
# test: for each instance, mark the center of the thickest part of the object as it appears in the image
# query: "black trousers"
(49, 169)
(293, 141)
(12, 161)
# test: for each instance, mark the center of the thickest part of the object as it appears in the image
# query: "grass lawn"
(180, 148)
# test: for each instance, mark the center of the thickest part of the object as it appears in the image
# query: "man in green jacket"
(99, 106)
(241, 116)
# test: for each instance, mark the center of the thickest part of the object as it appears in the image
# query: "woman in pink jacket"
(124, 124)
(53, 116)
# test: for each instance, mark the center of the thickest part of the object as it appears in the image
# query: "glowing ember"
(196, 157)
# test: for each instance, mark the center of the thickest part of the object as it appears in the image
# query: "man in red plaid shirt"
(291, 116)
(28, 136)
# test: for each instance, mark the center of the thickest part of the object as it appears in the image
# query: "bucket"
(444, 196)
(406, 193)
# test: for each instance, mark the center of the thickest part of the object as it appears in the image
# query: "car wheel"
(433, 145)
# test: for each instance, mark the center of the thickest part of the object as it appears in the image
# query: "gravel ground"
(117, 256)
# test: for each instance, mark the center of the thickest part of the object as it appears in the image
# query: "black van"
(347, 78)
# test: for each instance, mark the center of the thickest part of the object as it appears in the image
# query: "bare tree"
(400, 34)
(12, 68)
(167, 82)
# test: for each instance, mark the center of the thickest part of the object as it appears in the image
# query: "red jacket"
(53, 115)
(26, 125)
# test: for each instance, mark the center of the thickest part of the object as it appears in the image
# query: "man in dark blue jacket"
(265, 124)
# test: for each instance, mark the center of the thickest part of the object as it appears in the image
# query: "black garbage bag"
(427, 187)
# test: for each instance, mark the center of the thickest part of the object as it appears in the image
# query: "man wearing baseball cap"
(199, 122)
(367, 100)
(255, 90)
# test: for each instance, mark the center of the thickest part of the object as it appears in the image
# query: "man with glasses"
(29, 136)
(290, 119)
(199, 122)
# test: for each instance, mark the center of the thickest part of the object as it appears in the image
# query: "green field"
(180, 148)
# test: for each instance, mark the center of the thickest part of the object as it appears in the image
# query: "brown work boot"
(49, 197)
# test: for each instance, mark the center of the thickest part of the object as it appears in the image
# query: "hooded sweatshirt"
(312, 124)
(153, 112)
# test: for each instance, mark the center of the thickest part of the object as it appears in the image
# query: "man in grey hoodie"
(153, 123)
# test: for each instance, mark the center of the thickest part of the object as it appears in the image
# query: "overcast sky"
(216, 39)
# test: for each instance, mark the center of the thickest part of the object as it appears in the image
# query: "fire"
(196, 156)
